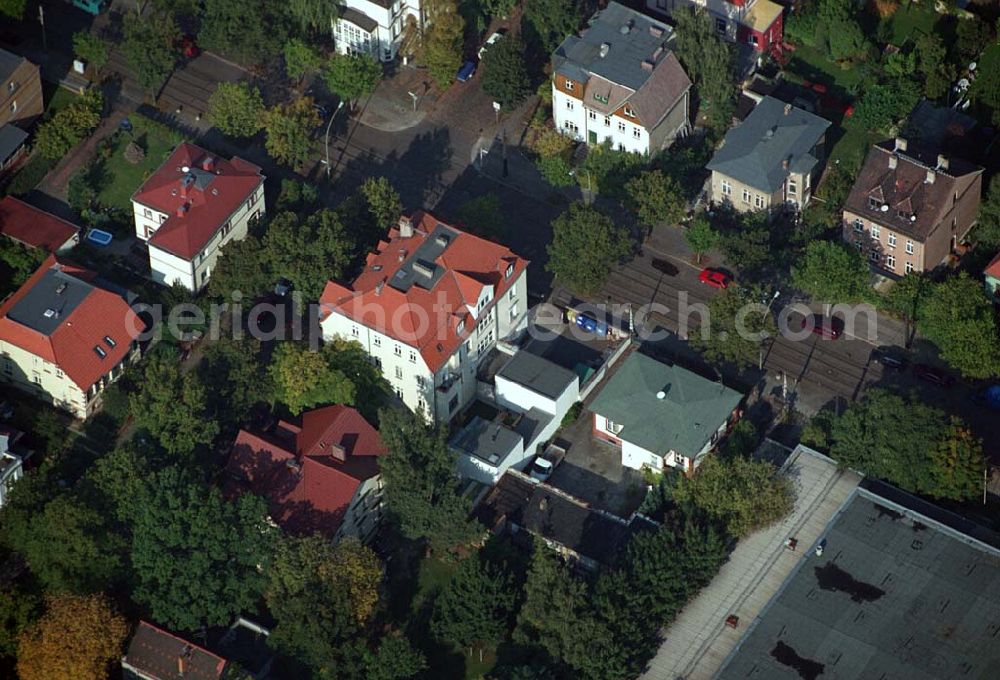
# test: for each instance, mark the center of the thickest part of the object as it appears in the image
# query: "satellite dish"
(913, 218)
(661, 395)
(185, 168)
(885, 207)
(972, 66)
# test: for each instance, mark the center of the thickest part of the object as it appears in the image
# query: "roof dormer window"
(629, 111)
(510, 270)
(99, 351)
(601, 98)
(569, 85)
(874, 203)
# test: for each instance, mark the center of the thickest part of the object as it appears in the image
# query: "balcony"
(449, 381)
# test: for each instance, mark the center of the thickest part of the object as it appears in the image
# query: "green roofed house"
(662, 415)
(771, 159)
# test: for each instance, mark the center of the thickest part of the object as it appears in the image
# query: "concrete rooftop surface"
(697, 643)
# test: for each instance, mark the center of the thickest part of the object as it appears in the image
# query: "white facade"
(636, 457)
(725, 15)
(381, 41)
(575, 119)
(441, 394)
(167, 268)
(484, 472)
(46, 381)
(364, 514)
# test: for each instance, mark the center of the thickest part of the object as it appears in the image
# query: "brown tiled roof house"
(910, 207)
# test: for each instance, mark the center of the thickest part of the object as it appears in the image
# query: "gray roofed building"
(894, 594)
(359, 19)
(537, 374)
(777, 152)
(45, 306)
(621, 68)
(490, 441)
(660, 413)
(12, 139)
(9, 62)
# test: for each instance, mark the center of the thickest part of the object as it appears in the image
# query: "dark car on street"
(933, 375)
(890, 358)
(467, 70)
(828, 327)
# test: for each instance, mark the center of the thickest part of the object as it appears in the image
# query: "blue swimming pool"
(99, 237)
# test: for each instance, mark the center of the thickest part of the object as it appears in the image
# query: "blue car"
(467, 71)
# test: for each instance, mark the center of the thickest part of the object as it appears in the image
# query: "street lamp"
(326, 137)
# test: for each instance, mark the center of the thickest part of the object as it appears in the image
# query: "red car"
(188, 47)
(935, 376)
(714, 278)
(823, 326)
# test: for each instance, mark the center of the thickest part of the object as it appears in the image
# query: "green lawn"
(123, 178)
(911, 21)
(56, 98)
(433, 575)
(809, 63)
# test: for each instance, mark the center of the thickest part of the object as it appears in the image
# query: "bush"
(30, 175)
(572, 414)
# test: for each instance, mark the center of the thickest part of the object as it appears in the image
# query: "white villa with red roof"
(192, 206)
(64, 339)
(430, 303)
(318, 477)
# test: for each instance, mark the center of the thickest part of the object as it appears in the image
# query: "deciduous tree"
(442, 42)
(396, 659)
(172, 406)
(148, 45)
(234, 379)
(311, 16)
(78, 637)
(586, 244)
(505, 77)
(90, 49)
(383, 202)
(199, 559)
(289, 128)
(237, 109)
(700, 236)
(303, 379)
(242, 266)
(484, 216)
(422, 493)
(933, 64)
(321, 597)
(246, 30)
(656, 198)
(708, 59)
(906, 296)
(352, 76)
(56, 136)
(958, 464)
(548, 22)
(958, 317)
(737, 326)
(308, 252)
(744, 494)
(832, 272)
(20, 607)
(13, 8)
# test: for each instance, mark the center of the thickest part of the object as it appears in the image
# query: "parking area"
(593, 472)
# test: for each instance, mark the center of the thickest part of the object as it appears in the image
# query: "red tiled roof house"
(155, 654)
(64, 338)
(36, 228)
(192, 206)
(431, 302)
(318, 477)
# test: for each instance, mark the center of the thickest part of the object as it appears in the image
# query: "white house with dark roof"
(374, 27)
(619, 82)
(770, 160)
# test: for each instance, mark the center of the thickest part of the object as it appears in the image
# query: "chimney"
(605, 48)
(655, 31)
(379, 286)
(893, 160)
(405, 227)
(784, 164)
(900, 144)
(184, 189)
(182, 658)
(931, 176)
(208, 164)
(647, 65)
(338, 452)
(788, 109)
(182, 209)
(402, 255)
(942, 163)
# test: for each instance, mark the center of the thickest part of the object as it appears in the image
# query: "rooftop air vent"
(208, 164)
(51, 313)
(185, 169)
(442, 240)
(61, 288)
(215, 191)
(605, 48)
(424, 268)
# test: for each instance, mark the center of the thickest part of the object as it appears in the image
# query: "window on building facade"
(399, 392)
(421, 381)
(612, 426)
(875, 231)
(874, 203)
(890, 262)
(746, 195)
(908, 267)
(793, 188)
(413, 357)
(377, 341)
(727, 188)
(758, 201)
(569, 85)
(147, 212)
(399, 372)
(398, 351)
(859, 225)
(569, 104)
(571, 126)
(720, 25)
(909, 247)
(592, 115)
(354, 331)
(874, 256)
(637, 133)
(607, 121)
(891, 238)
(621, 126)
(629, 111)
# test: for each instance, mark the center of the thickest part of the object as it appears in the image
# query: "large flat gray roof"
(47, 304)
(537, 374)
(421, 267)
(895, 594)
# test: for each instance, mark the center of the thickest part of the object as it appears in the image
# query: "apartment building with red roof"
(319, 476)
(36, 228)
(192, 206)
(64, 338)
(430, 304)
